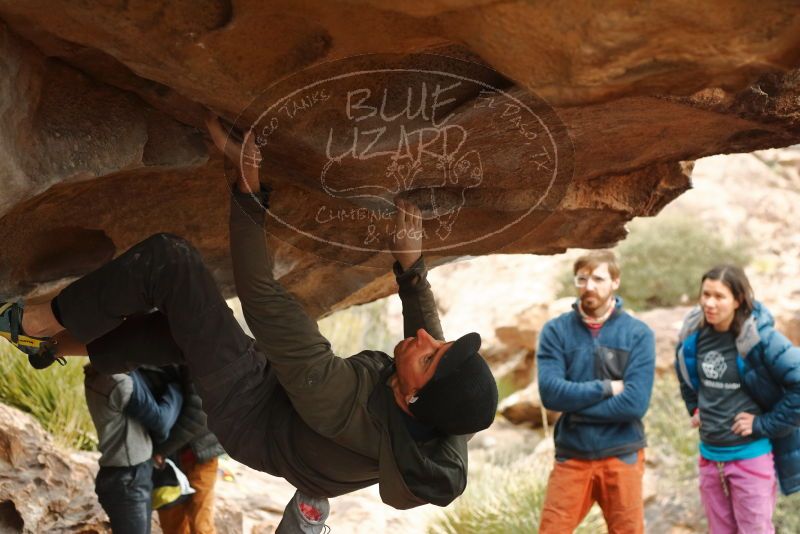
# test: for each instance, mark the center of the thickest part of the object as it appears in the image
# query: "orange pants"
(196, 515)
(575, 485)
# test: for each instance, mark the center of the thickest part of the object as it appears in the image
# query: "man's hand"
(159, 461)
(695, 421)
(407, 240)
(617, 387)
(743, 424)
(250, 164)
(224, 142)
(246, 157)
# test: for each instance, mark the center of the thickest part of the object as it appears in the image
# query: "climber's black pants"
(158, 304)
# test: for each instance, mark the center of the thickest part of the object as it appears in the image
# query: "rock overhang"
(103, 109)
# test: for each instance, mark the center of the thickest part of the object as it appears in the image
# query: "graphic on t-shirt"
(714, 365)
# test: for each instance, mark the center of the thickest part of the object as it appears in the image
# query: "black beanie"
(461, 398)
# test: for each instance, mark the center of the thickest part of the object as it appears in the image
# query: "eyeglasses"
(582, 280)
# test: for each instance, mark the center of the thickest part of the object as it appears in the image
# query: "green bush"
(663, 258)
(505, 495)
(505, 388)
(787, 514)
(54, 396)
(358, 328)
(669, 431)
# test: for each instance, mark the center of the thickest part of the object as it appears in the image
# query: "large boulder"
(788, 323)
(44, 488)
(512, 355)
(525, 407)
(666, 325)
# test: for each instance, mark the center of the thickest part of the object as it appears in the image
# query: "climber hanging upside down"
(282, 403)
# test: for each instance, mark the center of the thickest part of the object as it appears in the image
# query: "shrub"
(672, 456)
(54, 396)
(663, 258)
(357, 328)
(787, 514)
(669, 431)
(505, 495)
(505, 388)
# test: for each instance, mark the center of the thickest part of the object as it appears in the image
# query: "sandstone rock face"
(666, 325)
(44, 488)
(513, 355)
(789, 325)
(525, 406)
(100, 106)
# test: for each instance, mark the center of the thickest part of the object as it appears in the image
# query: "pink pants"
(752, 490)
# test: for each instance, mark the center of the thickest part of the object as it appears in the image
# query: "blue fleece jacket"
(575, 372)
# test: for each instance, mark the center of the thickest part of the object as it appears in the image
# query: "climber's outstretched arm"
(246, 157)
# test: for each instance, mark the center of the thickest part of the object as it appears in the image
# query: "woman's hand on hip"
(695, 421)
(743, 424)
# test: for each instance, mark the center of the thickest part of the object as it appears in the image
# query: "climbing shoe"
(305, 515)
(40, 351)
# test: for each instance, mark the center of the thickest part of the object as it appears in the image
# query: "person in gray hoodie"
(124, 480)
